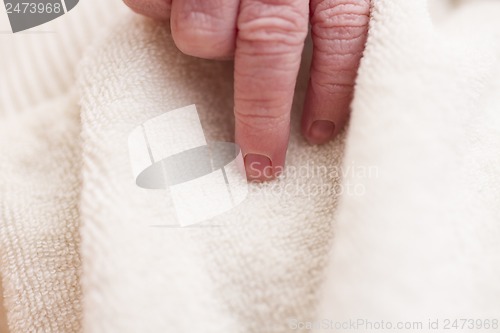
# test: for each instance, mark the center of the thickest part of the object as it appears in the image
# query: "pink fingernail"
(259, 167)
(321, 131)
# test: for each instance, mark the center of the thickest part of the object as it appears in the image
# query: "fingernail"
(321, 131)
(259, 167)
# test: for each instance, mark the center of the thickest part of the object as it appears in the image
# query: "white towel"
(414, 230)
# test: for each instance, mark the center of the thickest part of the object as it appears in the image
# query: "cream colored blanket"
(397, 220)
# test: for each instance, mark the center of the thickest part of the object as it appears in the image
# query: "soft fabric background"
(3, 319)
(77, 247)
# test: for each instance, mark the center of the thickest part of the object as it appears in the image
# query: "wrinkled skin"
(266, 38)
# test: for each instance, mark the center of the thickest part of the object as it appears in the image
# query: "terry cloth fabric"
(3, 319)
(398, 219)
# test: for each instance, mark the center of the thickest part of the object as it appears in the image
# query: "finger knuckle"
(284, 26)
(340, 20)
(261, 121)
(263, 112)
(335, 87)
(197, 31)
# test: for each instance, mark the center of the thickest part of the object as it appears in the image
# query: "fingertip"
(324, 115)
(264, 157)
(259, 167)
(320, 132)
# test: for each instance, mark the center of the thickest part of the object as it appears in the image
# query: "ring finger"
(339, 32)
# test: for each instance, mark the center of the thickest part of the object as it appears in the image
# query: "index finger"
(269, 44)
